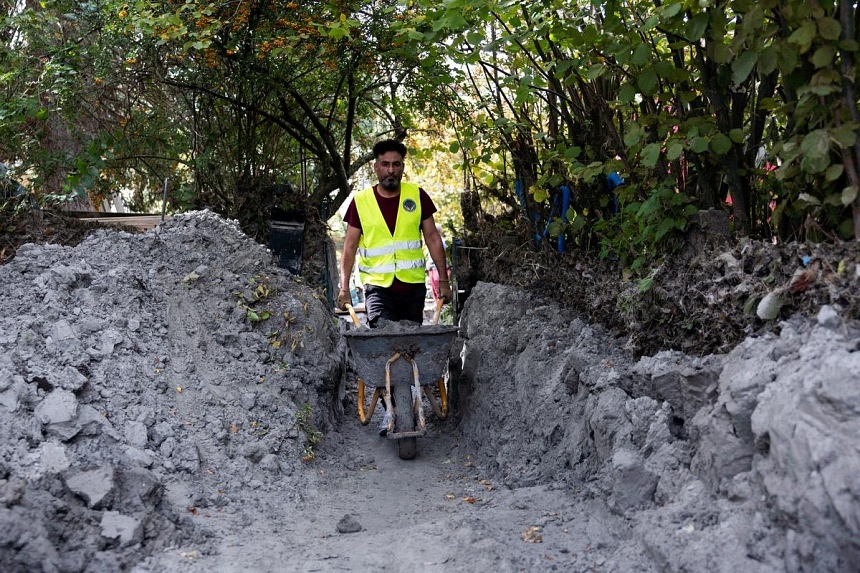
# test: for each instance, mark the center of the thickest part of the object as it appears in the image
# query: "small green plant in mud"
(304, 421)
(259, 429)
(446, 317)
(259, 290)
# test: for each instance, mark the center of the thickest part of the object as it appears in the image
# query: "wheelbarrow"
(401, 365)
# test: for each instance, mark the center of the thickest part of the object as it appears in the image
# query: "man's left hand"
(445, 292)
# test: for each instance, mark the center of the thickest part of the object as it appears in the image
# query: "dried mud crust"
(42, 228)
(701, 301)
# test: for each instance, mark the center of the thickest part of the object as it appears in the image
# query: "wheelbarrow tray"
(428, 346)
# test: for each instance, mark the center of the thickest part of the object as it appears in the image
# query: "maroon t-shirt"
(390, 207)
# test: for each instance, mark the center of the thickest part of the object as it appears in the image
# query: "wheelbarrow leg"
(440, 407)
(362, 417)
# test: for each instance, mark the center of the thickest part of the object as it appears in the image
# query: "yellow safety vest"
(382, 256)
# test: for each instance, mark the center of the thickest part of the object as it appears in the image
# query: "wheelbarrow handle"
(438, 312)
(353, 315)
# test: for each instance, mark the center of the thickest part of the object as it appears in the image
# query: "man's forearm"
(345, 272)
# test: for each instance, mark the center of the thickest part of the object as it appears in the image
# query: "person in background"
(433, 272)
(385, 226)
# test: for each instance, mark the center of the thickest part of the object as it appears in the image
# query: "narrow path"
(436, 513)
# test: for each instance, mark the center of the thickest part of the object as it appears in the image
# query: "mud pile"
(147, 378)
(738, 462)
(168, 390)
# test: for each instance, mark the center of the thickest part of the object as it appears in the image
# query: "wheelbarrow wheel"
(404, 420)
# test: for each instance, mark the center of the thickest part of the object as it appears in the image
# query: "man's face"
(389, 170)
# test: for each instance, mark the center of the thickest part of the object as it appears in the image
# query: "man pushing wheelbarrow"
(385, 226)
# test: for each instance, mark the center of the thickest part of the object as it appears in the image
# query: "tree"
(277, 81)
(677, 97)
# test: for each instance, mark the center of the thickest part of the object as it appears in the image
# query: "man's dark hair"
(387, 145)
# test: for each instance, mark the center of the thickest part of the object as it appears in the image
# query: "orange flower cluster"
(240, 18)
(210, 58)
(269, 45)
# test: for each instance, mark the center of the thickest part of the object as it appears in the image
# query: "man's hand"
(344, 298)
(445, 292)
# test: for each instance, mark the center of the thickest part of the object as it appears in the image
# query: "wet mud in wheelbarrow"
(401, 365)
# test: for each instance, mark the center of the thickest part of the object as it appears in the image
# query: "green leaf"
(803, 36)
(572, 152)
(737, 135)
(834, 199)
(720, 52)
(809, 199)
(641, 55)
(824, 56)
(815, 163)
(829, 28)
(648, 81)
(849, 195)
(645, 284)
(338, 33)
(849, 45)
(834, 172)
(672, 10)
(845, 134)
(699, 144)
(664, 227)
(823, 90)
(595, 71)
(651, 154)
(767, 60)
(696, 26)
(743, 66)
(475, 37)
(627, 93)
(720, 144)
(674, 151)
(816, 143)
(633, 135)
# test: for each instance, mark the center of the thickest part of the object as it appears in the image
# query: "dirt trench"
(171, 401)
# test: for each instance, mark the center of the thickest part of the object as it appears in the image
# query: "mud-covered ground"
(172, 401)
(703, 300)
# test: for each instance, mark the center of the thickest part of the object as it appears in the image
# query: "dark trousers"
(382, 302)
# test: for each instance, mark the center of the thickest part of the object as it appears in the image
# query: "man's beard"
(390, 183)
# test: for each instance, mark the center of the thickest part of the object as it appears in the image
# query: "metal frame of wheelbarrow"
(440, 407)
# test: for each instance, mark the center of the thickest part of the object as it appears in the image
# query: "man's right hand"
(445, 292)
(343, 298)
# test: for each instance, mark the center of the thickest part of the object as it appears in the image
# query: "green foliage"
(646, 230)
(259, 290)
(691, 103)
(304, 421)
(678, 95)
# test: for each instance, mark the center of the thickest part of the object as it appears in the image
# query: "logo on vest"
(409, 205)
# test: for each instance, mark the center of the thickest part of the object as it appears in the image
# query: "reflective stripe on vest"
(381, 255)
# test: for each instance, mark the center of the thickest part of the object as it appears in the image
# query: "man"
(385, 224)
